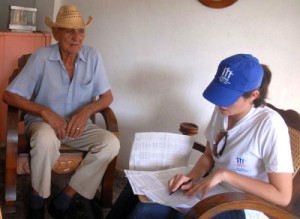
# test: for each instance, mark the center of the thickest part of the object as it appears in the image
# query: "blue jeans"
(154, 211)
(128, 206)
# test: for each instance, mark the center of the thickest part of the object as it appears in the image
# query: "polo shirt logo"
(225, 76)
(240, 165)
(240, 162)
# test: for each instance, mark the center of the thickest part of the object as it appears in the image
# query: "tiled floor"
(58, 182)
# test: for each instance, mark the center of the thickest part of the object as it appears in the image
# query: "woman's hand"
(205, 184)
(177, 183)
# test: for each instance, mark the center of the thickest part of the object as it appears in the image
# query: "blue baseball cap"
(235, 76)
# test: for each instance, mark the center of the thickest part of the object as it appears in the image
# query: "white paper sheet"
(143, 181)
(154, 185)
(159, 150)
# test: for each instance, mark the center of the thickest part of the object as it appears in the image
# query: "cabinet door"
(12, 46)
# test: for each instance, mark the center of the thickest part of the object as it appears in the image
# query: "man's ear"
(55, 33)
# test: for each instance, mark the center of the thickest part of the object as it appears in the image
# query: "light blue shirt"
(45, 81)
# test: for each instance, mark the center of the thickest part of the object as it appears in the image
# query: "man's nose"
(75, 34)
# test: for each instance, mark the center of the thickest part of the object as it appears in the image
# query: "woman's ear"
(254, 95)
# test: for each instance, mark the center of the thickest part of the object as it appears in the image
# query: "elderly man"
(56, 89)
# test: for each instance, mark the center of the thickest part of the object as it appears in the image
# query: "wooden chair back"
(292, 119)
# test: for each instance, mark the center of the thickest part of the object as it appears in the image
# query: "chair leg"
(107, 185)
(11, 154)
(10, 180)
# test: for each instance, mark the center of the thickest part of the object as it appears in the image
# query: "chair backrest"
(295, 142)
(292, 119)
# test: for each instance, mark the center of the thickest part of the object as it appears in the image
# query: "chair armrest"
(199, 147)
(213, 205)
(110, 120)
(12, 122)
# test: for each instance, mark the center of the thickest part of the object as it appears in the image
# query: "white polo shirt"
(257, 144)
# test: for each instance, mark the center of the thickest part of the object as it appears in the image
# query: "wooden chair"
(17, 153)
(216, 204)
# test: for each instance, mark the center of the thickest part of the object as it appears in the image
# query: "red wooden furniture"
(12, 46)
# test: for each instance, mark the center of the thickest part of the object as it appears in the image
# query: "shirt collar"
(55, 54)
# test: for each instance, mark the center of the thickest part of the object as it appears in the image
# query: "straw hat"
(68, 16)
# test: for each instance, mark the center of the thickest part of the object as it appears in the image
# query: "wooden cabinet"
(12, 46)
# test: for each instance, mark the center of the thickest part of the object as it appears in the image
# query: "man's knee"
(109, 143)
(44, 138)
(114, 145)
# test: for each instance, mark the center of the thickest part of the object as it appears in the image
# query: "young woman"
(247, 150)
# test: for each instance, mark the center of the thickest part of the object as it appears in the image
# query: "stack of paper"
(154, 185)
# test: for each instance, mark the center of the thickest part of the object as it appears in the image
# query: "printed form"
(159, 150)
(154, 185)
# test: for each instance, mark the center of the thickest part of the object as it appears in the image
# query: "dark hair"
(263, 89)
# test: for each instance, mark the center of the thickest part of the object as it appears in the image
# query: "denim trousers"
(128, 206)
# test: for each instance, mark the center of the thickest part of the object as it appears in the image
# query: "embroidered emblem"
(225, 76)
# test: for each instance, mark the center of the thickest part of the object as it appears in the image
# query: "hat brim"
(221, 95)
(52, 24)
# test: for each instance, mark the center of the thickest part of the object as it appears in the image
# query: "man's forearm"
(23, 104)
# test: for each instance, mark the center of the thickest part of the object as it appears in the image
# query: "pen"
(185, 183)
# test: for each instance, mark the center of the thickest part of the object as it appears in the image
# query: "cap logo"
(225, 76)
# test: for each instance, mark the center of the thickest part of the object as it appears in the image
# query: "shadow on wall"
(161, 100)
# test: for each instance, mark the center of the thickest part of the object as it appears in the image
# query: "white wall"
(161, 54)
(46, 8)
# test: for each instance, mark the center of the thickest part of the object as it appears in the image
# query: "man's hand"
(62, 128)
(58, 123)
(77, 123)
